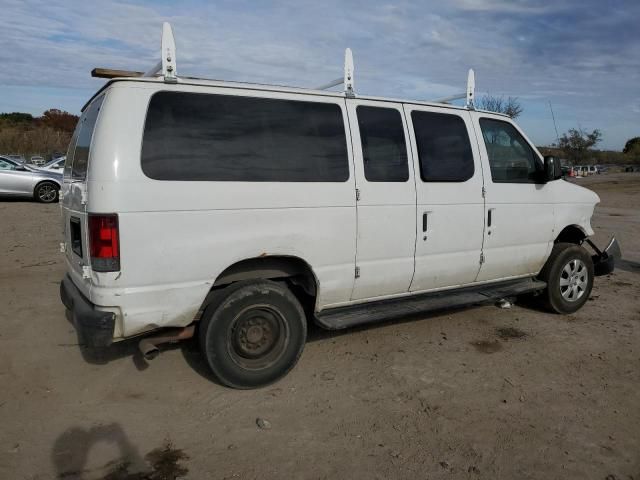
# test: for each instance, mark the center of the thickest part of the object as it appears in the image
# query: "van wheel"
(46, 192)
(252, 333)
(569, 276)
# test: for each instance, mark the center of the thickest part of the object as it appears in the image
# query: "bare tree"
(511, 106)
(576, 143)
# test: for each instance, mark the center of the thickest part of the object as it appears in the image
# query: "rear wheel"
(252, 333)
(46, 192)
(569, 276)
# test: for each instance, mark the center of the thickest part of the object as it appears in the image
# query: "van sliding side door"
(450, 205)
(386, 199)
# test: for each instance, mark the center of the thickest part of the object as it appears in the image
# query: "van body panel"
(176, 237)
(385, 218)
(521, 234)
(448, 252)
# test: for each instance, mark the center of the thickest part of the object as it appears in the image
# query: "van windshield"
(78, 154)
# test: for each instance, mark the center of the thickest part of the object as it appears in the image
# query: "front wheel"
(569, 276)
(46, 192)
(252, 333)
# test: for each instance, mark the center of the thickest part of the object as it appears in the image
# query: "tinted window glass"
(511, 159)
(384, 149)
(80, 158)
(192, 136)
(4, 165)
(443, 147)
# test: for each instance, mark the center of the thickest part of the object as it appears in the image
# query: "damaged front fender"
(604, 260)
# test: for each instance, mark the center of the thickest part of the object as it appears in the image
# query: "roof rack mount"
(166, 66)
(469, 94)
(347, 80)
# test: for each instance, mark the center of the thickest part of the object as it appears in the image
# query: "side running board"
(352, 315)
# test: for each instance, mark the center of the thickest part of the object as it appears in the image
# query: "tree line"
(26, 135)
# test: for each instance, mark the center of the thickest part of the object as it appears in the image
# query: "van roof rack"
(167, 68)
(469, 94)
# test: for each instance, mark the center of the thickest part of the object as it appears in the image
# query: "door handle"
(425, 221)
(489, 216)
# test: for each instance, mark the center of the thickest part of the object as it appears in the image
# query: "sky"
(582, 56)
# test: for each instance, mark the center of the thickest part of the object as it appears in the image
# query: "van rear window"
(206, 137)
(78, 154)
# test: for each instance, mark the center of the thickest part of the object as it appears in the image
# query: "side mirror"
(552, 169)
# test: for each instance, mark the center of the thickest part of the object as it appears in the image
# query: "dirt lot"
(479, 393)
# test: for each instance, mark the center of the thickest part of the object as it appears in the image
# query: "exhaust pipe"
(149, 346)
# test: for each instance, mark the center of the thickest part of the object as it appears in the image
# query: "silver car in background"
(17, 179)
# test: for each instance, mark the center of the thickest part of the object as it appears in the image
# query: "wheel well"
(294, 270)
(571, 234)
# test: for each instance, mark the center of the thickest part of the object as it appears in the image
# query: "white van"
(240, 212)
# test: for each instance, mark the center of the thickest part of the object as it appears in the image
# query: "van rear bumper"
(95, 328)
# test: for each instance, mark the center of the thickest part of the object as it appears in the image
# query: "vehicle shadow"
(628, 266)
(71, 450)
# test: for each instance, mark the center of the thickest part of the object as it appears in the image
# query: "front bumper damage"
(604, 260)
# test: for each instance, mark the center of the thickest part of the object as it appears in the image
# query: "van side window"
(444, 149)
(384, 149)
(208, 137)
(87, 122)
(511, 158)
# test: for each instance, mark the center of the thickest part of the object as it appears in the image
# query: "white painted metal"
(167, 64)
(469, 94)
(386, 221)
(471, 89)
(448, 254)
(347, 80)
(177, 237)
(524, 215)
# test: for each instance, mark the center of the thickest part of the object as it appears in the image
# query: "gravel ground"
(481, 393)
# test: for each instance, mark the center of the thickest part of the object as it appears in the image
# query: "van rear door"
(74, 195)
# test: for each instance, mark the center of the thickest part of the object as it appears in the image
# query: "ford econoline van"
(240, 212)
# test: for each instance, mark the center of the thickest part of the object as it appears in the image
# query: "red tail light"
(104, 242)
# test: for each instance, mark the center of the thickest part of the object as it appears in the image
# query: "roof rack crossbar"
(469, 94)
(347, 80)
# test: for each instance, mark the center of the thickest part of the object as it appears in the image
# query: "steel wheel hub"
(258, 336)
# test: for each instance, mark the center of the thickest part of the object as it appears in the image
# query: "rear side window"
(511, 159)
(444, 149)
(384, 149)
(191, 136)
(78, 154)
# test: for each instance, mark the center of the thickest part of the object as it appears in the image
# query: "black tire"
(46, 192)
(252, 333)
(569, 276)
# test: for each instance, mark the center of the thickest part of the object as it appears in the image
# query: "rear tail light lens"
(104, 242)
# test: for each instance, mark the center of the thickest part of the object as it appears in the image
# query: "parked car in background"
(17, 158)
(17, 179)
(37, 160)
(56, 165)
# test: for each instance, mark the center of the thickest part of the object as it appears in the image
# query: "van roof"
(182, 80)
